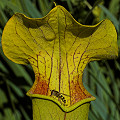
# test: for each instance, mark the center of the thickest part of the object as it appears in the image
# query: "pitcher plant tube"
(58, 49)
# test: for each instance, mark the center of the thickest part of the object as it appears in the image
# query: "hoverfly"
(59, 95)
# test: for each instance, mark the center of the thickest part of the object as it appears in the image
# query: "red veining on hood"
(77, 91)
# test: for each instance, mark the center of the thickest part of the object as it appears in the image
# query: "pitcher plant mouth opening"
(58, 49)
(63, 107)
(67, 102)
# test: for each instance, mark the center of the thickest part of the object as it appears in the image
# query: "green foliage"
(101, 79)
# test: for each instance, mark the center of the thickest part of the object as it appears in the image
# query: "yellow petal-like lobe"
(58, 48)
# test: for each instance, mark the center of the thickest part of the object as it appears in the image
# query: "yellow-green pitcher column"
(44, 109)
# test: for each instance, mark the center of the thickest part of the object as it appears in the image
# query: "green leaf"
(110, 16)
(15, 88)
(3, 98)
(3, 18)
(32, 10)
(26, 116)
(114, 7)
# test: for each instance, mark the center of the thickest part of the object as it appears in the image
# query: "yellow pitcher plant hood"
(58, 49)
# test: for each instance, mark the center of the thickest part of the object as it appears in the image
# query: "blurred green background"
(101, 79)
